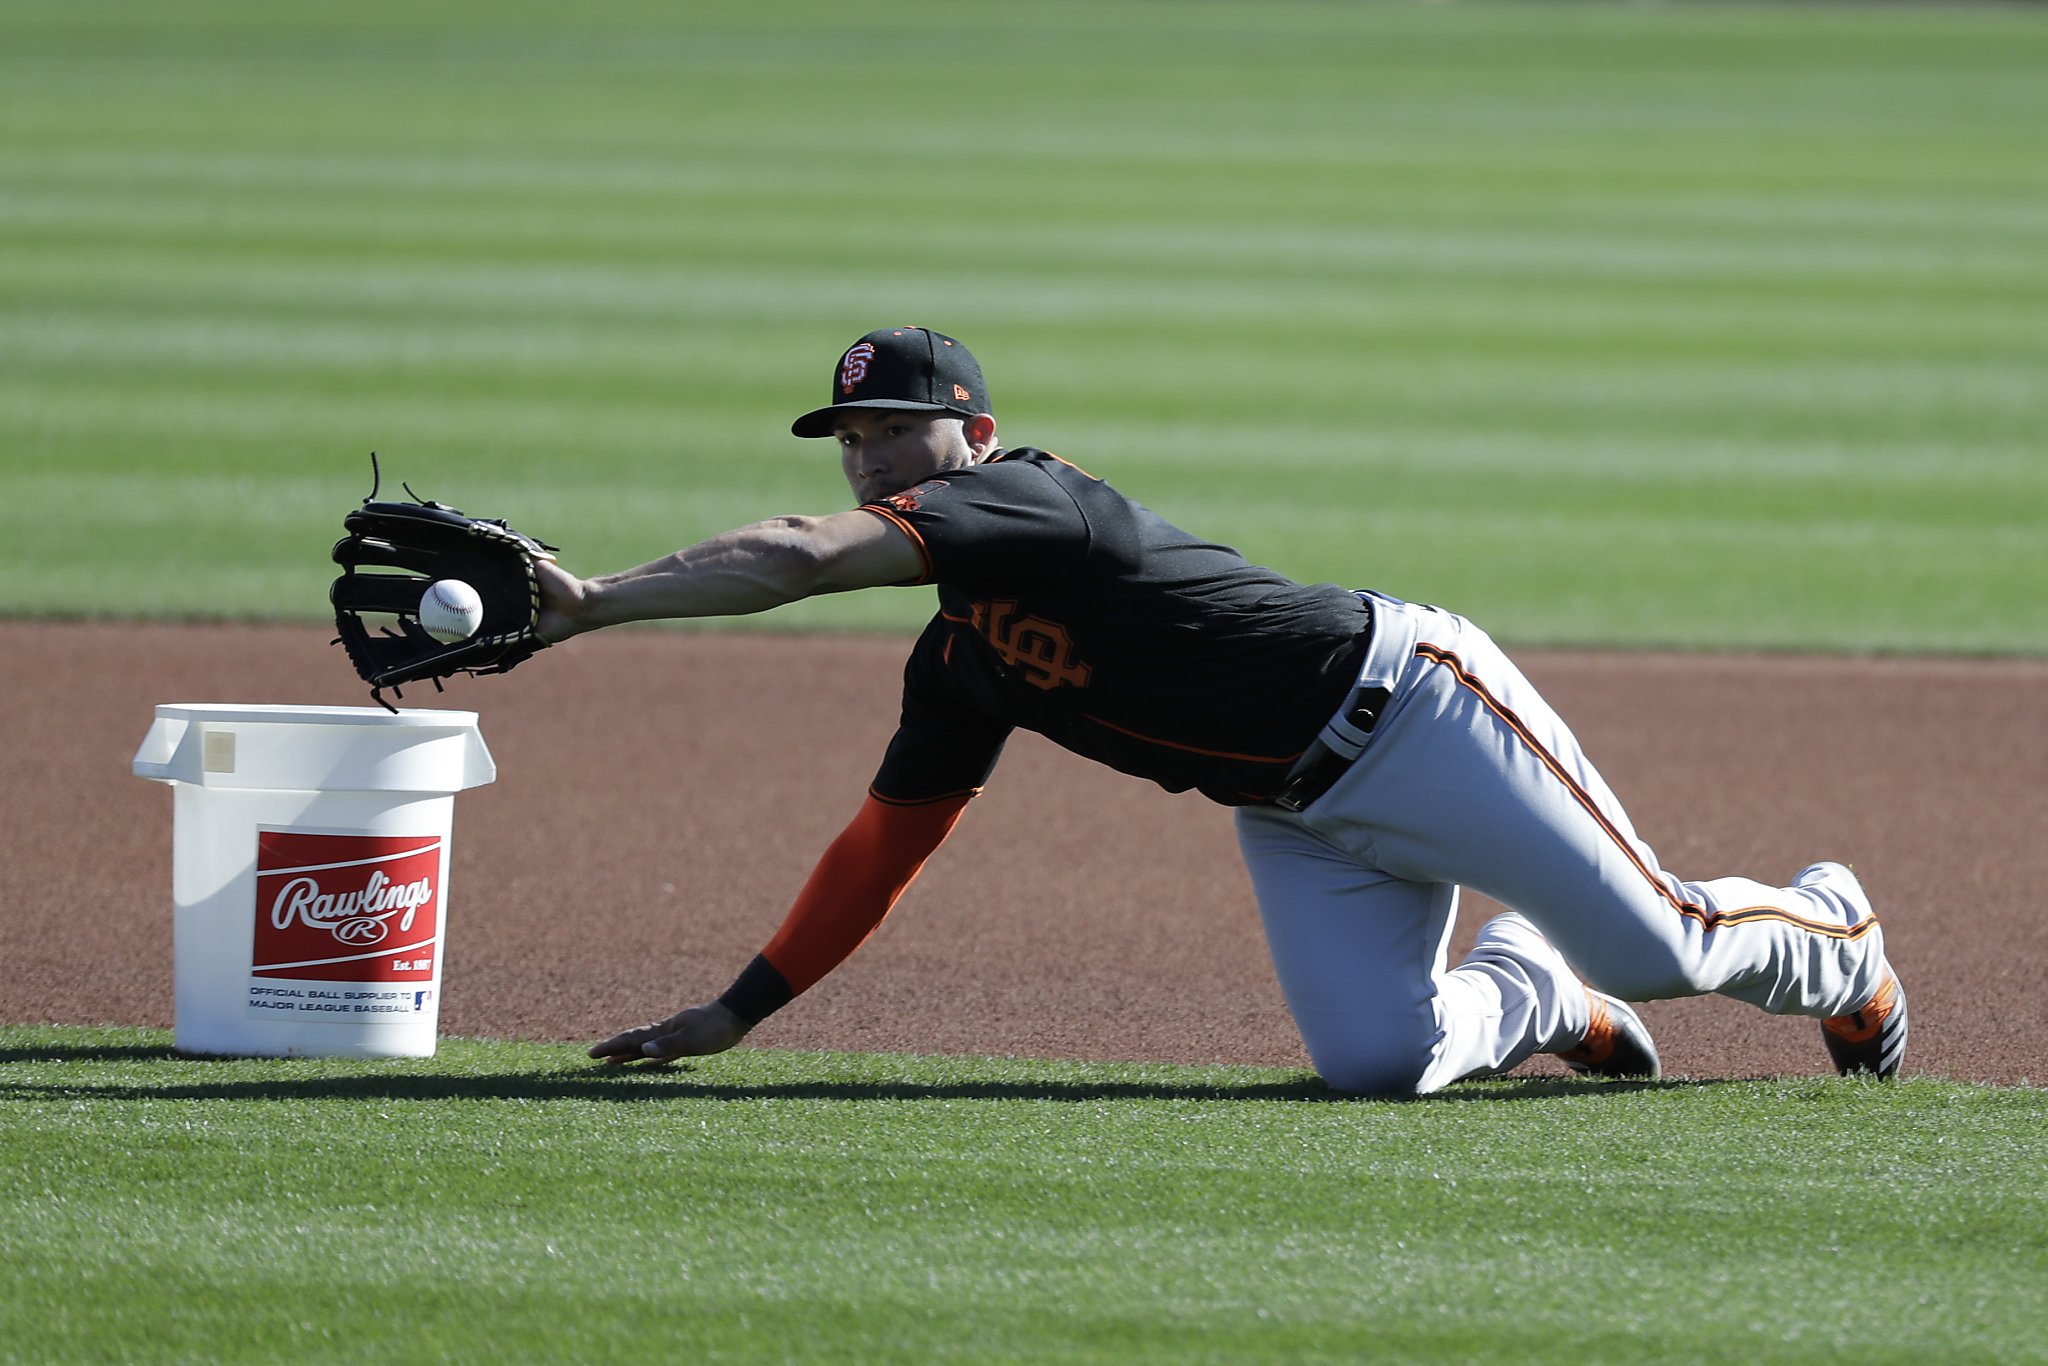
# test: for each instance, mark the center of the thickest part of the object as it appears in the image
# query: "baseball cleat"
(1617, 1042)
(1872, 1039)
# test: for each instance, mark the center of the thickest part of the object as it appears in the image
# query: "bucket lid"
(273, 746)
(284, 713)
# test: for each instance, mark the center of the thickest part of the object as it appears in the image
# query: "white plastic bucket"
(310, 873)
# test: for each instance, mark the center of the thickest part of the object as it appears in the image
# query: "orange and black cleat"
(1617, 1042)
(1872, 1039)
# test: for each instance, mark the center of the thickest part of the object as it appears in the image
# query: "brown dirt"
(662, 795)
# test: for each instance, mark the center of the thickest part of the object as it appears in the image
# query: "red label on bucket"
(346, 908)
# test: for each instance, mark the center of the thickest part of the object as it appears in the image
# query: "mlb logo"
(347, 908)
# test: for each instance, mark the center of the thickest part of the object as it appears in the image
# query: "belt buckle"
(1311, 777)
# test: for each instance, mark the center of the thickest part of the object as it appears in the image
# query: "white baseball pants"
(1469, 779)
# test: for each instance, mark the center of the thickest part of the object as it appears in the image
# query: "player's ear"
(980, 431)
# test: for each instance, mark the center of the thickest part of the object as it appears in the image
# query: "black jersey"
(1068, 609)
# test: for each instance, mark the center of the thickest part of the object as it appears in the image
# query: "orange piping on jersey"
(1709, 920)
(924, 553)
(1190, 749)
(856, 882)
(1005, 455)
(1075, 468)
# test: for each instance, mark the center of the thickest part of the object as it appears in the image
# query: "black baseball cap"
(910, 369)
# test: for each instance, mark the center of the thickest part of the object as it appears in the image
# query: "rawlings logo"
(854, 368)
(347, 908)
(352, 917)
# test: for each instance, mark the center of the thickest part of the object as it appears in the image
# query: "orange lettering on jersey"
(1042, 650)
(907, 501)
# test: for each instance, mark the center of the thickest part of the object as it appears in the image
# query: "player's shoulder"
(1016, 477)
(1028, 474)
(1033, 458)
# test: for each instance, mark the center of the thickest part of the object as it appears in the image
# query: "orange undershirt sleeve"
(856, 882)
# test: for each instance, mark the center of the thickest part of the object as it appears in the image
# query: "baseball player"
(1380, 756)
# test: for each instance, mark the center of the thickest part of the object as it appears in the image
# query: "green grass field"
(509, 1202)
(1703, 325)
(1715, 325)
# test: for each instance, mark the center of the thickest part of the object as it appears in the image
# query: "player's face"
(884, 452)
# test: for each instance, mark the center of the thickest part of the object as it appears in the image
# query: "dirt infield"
(662, 795)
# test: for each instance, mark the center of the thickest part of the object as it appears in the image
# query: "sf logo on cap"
(854, 368)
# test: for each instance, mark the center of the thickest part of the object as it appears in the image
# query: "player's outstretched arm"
(748, 569)
(689, 1033)
(856, 882)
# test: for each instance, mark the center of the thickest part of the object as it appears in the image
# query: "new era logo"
(960, 393)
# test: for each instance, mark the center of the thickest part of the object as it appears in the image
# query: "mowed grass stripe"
(1484, 227)
(1479, 317)
(1712, 277)
(510, 1200)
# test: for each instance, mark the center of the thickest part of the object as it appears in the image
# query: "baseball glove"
(376, 611)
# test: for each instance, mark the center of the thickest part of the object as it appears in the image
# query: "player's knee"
(1395, 1082)
(1386, 1061)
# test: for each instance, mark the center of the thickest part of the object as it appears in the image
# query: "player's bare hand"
(562, 597)
(690, 1033)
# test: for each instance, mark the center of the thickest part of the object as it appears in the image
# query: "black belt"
(1320, 766)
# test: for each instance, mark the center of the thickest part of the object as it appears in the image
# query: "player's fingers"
(681, 1044)
(625, 1047)
(685, 1034)
(706, 1029)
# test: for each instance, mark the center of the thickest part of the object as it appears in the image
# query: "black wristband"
(758, 992)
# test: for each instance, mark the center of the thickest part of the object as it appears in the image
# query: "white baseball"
(450, 610)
